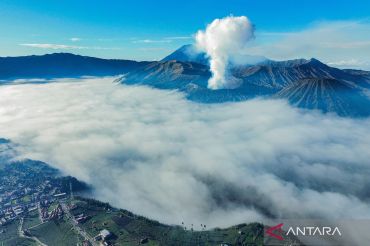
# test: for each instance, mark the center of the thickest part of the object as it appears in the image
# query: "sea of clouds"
(157, 154)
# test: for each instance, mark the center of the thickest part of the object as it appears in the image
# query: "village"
(40, 206)
(30, 188)
(23, 191)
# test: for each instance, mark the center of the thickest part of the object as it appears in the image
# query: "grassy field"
(31, 219)
(129, 229)
(26, 198)
(52, 207)
(58, 233)
(10, 236)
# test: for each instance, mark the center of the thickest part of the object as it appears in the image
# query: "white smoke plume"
(221, 40)
(155, 153)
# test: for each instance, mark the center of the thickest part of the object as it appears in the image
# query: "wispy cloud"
(355, 63)
(103, 39)
(151, 41)
(53, 46)
(154, 49)
(168, 39)
(67, 47)
(179, 37)
(327, 41)
(75, 39)
(347, 45)
(263, 33)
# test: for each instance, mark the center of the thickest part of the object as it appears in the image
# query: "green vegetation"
(56, 233)
(129, 229)
(26, 198)
(32, 219)
(52, 207)
(10, 237)
(125, 228)
(61, 229)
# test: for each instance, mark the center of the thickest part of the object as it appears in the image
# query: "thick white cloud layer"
(223, 39)
(159, 155)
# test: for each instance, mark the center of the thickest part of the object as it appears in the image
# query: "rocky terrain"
(308, 84)
(304, 83)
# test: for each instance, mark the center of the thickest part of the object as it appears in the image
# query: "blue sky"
(147, 29)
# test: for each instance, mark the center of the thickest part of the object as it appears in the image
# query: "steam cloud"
(159, 155)
(221, 40)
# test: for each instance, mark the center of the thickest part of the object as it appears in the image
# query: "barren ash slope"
(329, 95)
(304, 83)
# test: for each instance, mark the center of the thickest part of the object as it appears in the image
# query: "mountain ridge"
(292, 80)
(62, 65)
(298, 80)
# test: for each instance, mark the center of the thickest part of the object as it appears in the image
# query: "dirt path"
(22, 234)
(75, 225)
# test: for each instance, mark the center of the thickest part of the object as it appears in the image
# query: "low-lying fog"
(156, 154)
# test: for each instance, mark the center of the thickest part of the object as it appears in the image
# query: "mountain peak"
(187, 53)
